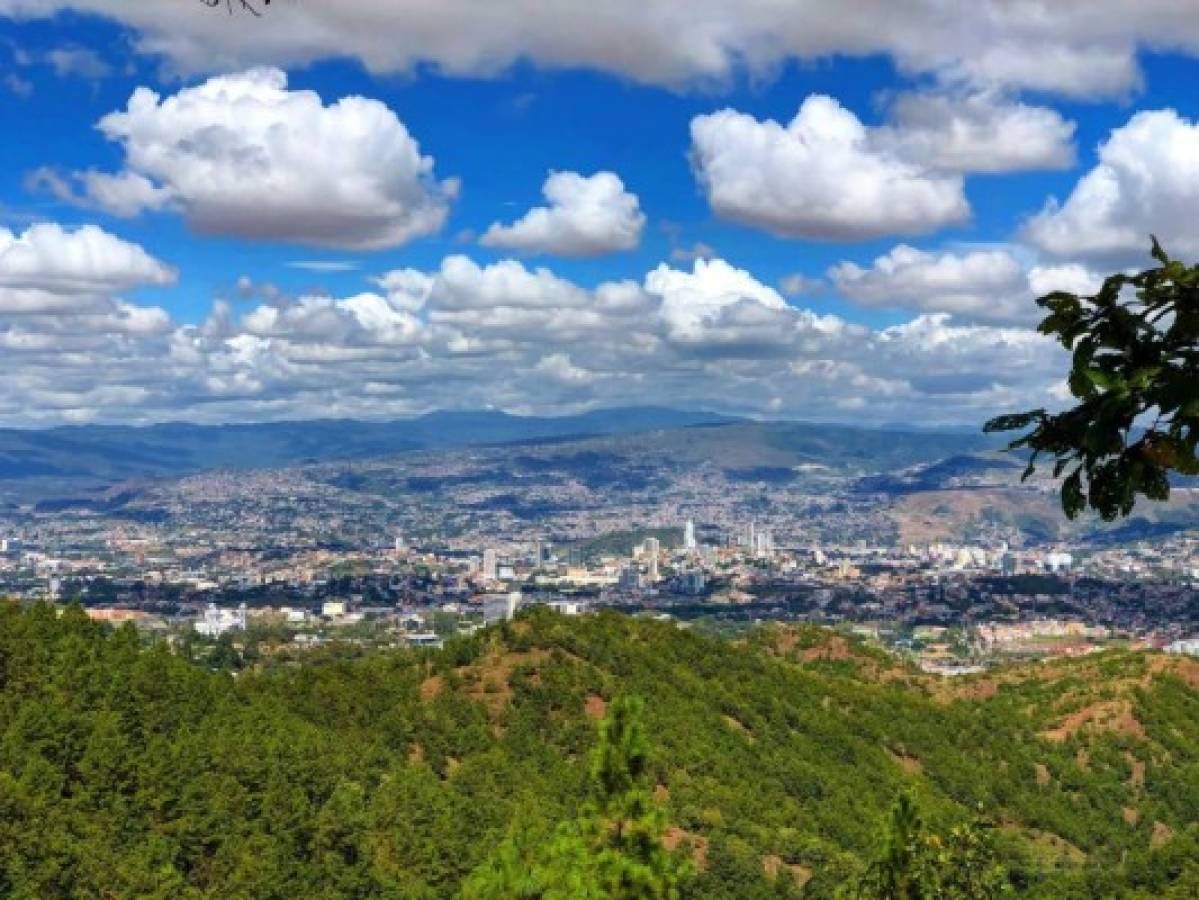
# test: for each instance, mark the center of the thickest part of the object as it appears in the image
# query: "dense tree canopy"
(1135, 373)
(757, 770)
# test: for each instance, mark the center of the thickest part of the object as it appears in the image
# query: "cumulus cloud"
(1146, 181)
(717, 303)
(468, 335)
(985, 285)
(586, 216)
(52, 262)
(822, 176)
(1080, 49)
(980, 132)
(242, 155)
(68, 343)
(977, 284)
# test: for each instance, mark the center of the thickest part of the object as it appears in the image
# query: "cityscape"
(417, 548)
(621, 450)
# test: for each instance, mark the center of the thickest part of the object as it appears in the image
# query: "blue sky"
(857, 341)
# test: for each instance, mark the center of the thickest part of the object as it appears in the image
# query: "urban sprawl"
(952, 608)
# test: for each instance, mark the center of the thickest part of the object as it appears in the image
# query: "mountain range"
(111, 453)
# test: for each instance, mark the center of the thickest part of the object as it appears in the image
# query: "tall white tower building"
(491, 564)
(689, 535)
(650, 549)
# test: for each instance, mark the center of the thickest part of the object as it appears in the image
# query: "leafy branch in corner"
(1135, 373)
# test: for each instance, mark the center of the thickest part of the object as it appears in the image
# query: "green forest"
(548, 755)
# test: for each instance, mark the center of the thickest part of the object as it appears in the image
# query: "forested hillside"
(128, 771)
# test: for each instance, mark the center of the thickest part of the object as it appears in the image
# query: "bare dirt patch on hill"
(1113, 716)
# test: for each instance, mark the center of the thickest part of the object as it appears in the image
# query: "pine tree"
(613, 849)
(916, 864)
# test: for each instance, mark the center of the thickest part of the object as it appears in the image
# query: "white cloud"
(88, 260)
(985, 285)
(124, 195)
(80, 62)
(18, 86)
(979, 132)
(465, 335)
(242, 155)
(1069, 56)
(463, 284)
(797, 283)
(822, 176)
(69, 345)
(1071, 277)
(323, 265)
(559, 366)
(1080, 49)
(1146, 181)
(698, 250)
(692, 300)
(586, 216)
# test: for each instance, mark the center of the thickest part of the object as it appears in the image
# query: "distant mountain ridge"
(54, 464)
(118, 452)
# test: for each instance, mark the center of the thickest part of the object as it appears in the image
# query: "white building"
(689, 536)
(500, 607)
(216, 621)
(570, 607)
(1059, 562)
(763, 542)
(424, 639)
(491, 564)
(1189, 646)
(650, 549)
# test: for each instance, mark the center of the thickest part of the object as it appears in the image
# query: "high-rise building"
(689, 536)
(491, 564)
(763, 542)
(630, 579)
(650, 550)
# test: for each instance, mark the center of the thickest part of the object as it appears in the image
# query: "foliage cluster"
(1135, 374)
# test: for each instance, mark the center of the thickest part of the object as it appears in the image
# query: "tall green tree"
(614, 850)
(1135, 374)
(914, 863)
